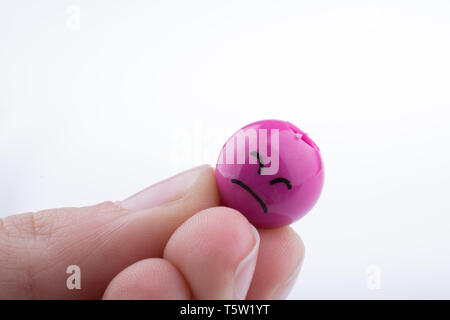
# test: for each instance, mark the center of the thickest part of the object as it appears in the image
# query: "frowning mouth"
(249, 190)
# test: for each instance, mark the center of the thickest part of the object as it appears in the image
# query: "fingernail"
(163, 192)
(283, 290)
(244, 272)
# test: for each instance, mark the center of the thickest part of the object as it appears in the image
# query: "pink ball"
(271, 172)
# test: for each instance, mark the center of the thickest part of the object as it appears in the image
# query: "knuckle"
(30, 225)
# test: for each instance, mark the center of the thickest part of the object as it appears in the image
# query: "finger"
(149, 279)
(216, 251)
(281, 253)
(36, 248)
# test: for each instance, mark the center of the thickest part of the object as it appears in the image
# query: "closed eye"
(283, 180)
(260, 163)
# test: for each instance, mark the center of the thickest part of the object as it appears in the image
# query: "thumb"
(36, 249)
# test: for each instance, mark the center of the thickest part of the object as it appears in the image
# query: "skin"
(185, 248)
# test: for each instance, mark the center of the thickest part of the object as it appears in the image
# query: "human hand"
(169, 241)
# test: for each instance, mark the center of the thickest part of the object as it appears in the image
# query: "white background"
(99, 99)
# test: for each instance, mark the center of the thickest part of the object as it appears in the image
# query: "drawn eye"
(261, 164)
(283, 180)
